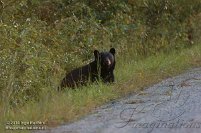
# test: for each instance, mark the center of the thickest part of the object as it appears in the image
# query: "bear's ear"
(96, 54)
(112, 50)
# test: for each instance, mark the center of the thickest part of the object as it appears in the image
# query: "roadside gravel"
(171, 106)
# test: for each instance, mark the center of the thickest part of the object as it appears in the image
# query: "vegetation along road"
(153, 40)
(173, 105)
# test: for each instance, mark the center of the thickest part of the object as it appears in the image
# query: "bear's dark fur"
(102, 67)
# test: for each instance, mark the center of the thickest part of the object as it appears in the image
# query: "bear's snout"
(108, 62)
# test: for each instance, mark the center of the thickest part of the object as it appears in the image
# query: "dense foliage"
(41, 39)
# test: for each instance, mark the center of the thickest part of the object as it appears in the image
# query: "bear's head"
(106, 60)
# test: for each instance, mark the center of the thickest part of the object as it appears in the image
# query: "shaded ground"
(172, 106)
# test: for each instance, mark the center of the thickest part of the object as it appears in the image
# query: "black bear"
(101, 68)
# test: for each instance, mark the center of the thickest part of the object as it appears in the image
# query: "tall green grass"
(41, 40)
(131, 76)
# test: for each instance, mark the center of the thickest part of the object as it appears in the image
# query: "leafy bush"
(40, 40)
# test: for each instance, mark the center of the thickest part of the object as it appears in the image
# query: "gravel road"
(171, 106)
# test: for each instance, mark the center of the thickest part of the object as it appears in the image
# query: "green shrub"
(40, 40)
